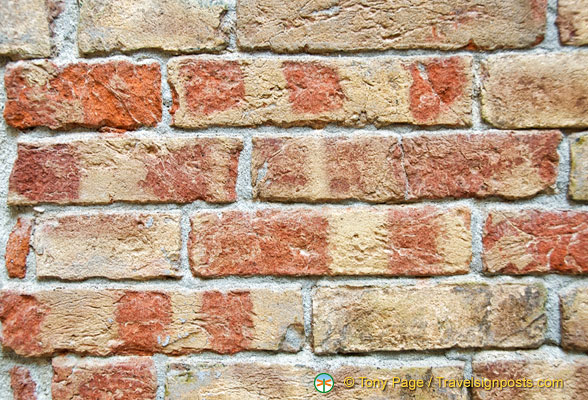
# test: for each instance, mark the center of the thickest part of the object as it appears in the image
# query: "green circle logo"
(324, 383)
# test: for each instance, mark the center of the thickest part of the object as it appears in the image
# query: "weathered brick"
(317, 91)
(354, 25)
(132, 378)
(572, 21)
(17, 248)
(536, 242)
(105, 170)
(430, 166)
(25, 31)
(170, 25)
(109, 245)
(106, 322)
(579, 170)
(536, 90)
(205, 380)
(375, 318)
(364, 241)
(23, 386)
(503, 366)
(574, 319)
(117, 94)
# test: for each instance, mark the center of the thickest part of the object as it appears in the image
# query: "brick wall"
(221, 199)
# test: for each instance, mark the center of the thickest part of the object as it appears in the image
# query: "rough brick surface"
(430, 166)
(25, 37)
(105, 170)
(23, 386)
(105, 322)
(574, 319)
(362, 319)
(133, 378)
(279, 381)
(572, 21)
(116, 94)
(318, 91)
(171, 25)
(536, 241)
(536, 90)
(354, 25)
(17, 248)
(579, 168)
(573, 373)
(109, 245)
(396, 241)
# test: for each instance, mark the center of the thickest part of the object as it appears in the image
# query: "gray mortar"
(66, 51)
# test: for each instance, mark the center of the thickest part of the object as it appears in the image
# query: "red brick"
(116, 94)
(535, 242)
(23, 386)
(22, 316)
(17, 248)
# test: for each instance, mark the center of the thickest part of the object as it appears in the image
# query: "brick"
(104, 170)
(359, 319)
(23, 386)
(574, 319)
(535, 242)
(28, 37)
(169, 25)
(327, 26)
(579, 170)
(572, 21)
(536, 90)
(117, 94)
(108, 245)
(316, 91)
(524, 369)
(379, 169)
(17, 248)
(107, 322)
(205, 380)
(132, 378)
(511, 165)
(362, 241)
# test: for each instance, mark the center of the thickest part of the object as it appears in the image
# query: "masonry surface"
(221, 199)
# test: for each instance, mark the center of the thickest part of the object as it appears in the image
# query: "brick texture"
(109, 245)
(17, 248)
(362, 319)
(106, 322)
(22, 384)
(536, 91)
(171, 25)
(116, 94)
(28, 37)
(572, 21)
(316, 92)
(574, 319)
(397, 241)
(579, 168)
(105, 170)
(535, 242)
(326, 26)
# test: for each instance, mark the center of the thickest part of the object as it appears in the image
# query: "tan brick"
(536, 90)
(316, 91)
(17, 248)
(22, 384)
(106, 322)
(530, 371)
(170, 25)
(375, 318)
(25, 30)
(132, 378)
(210, 380)
(108, 245)
(536, 242)
(354, 25)
(104, 170)
(572, 21)
(362, 241)
(574, 319)
(579, 172)
(117, 94)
